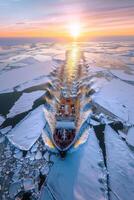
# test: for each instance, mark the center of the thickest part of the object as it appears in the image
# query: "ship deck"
(65, 129)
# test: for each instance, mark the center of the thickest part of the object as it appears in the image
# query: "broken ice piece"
(45, 169)
(26, 133)
(46, 156)
(35, 82)
(123, 75)
(16, 77)
(32, 157)
(24, 103)
(120, 165)
(18, 154)
(38, 155)
(34, 148)
(8, 154)
(115, 102)
(14, 189)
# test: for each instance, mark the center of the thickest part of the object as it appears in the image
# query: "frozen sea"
(100, 164)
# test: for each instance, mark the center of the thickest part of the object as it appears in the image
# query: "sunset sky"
(52, 18)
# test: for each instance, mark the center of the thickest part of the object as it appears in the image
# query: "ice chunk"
(116, 98)
(78, 175)
(2, 119)
(42, 58)
(24, 103)
(123, 75)
(120, 164)
(101, 59)
(45, 169)
(14, 189)
(18, 154)
(130, 137)
(26, 133)
(35, 82)
(34, 148)
(38, 155)
(46, 156)
(15, 77)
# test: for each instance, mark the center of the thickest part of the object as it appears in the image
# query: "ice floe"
(13, 78)
(79, 175)
(123, 75)
(42, 58)
(26, 133)
(25, 103)
(116, 98)
(104, 60)
(120, 165)
(35, 82)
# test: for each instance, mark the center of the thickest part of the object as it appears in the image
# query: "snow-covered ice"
(25, 103)
(13, 78)
(123, 75)
(35, 82)
(120, 165)
(117, 98)
(42, 58)
(79, 175)
(98, 83)
(26, 133)
(130, 136)
(103, 60)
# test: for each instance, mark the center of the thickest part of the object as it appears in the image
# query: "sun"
(75, 30)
